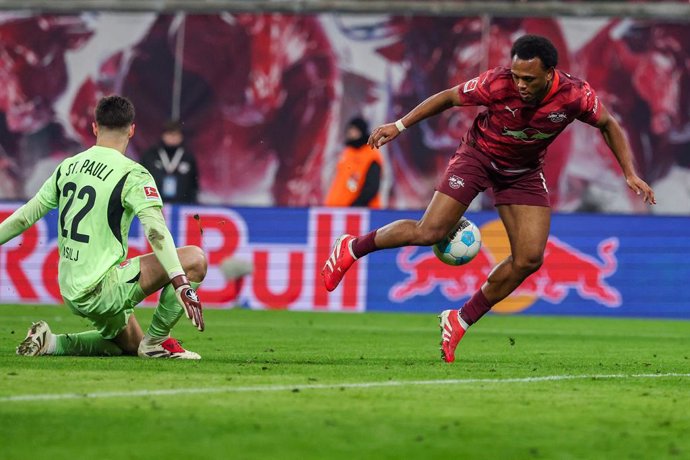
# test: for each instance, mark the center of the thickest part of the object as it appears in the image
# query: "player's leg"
(109, 307)
(157, 341)
(523, 205)
(442, 213)
(41, 341)
(464, 178)
(528, 231)
(130, 338)
(153, 275)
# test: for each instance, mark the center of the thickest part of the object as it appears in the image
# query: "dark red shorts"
(469, 172)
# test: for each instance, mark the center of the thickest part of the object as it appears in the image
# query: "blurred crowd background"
(263, 97)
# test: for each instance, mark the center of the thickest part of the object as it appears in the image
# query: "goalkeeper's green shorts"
(110, 303)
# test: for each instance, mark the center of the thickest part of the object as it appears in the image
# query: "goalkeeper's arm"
(163, 246)
(21, 219)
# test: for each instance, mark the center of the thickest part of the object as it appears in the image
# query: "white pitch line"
(329, 386)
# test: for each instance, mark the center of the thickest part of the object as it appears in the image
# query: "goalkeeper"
(98, 192)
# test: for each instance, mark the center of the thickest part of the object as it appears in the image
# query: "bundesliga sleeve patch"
(151, 193)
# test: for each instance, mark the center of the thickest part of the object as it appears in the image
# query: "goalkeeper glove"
(187, 297)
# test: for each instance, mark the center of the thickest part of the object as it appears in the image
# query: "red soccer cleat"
(451, 334)
(338, 263)
(169, 348)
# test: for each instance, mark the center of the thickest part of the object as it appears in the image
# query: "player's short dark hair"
(533, 46)
(114, 112)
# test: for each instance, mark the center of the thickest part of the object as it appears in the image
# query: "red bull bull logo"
(565, 269)
(426, 273)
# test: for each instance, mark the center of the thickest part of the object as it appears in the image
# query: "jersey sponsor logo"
(557, 117)
(527, 134)
(456, 182)
(471, 85)
(151, 193)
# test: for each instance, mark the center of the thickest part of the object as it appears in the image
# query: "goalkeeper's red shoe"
(168, 348)
(451, 334)
(339, 262)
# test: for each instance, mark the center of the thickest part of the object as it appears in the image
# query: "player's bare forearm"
(433, 105)
(615, 139)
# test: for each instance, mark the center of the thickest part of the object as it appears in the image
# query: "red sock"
(475, 308)
(363, 245)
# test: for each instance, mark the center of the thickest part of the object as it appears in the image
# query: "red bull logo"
(565, 269)
(426, 273)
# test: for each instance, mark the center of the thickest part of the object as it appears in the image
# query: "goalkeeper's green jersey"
(97, 193)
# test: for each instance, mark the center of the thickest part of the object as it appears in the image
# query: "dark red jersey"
(515, 133)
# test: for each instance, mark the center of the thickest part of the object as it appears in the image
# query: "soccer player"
(527, 106)
(98, 192)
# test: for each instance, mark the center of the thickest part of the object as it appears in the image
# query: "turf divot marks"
(330, 386)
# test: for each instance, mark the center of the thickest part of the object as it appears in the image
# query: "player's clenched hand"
(641, 188)
(383, 135)
(187, 297)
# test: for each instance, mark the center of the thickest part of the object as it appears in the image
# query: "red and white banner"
(264, 98)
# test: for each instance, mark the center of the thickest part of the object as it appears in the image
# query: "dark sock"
(363, 245)
(475, 308)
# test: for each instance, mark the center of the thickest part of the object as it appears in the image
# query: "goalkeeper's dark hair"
(114, 112)
(533, 46)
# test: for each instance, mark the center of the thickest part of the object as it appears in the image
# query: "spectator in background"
(357, 180)
(172, 166)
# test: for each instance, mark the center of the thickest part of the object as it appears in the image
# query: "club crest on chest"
(557, 117)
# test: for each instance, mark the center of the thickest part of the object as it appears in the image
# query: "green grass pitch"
(288, 385)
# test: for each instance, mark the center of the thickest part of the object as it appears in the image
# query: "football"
(461, 245)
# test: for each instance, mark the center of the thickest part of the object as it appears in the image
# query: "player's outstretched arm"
(21, 219)
(431, 106)
(163, 246)
(615, 139)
